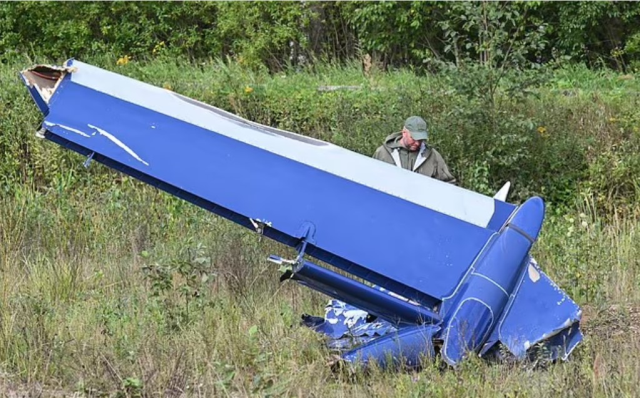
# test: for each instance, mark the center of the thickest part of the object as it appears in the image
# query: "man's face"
(409, 142)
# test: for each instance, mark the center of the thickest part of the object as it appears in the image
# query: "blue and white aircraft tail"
(468, 287)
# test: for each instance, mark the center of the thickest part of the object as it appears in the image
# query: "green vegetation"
(111, 288)
(277, 34)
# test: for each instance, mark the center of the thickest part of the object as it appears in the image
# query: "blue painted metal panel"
(475, 309)
(537, 310)
(367, 298)
(268, 187)
(502, 213)
(444, 198)
(408, 346)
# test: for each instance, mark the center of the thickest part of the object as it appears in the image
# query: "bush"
(274, 35)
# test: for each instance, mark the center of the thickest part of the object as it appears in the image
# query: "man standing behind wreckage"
(408, 149)
(346, 324)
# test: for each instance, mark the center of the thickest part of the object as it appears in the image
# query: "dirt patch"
(616, 320)
(13, 390)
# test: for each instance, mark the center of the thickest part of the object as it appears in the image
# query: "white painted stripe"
(82, 133)
(445, 198)
(119, 143)
(492, 281)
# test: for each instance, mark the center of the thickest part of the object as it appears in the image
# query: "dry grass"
(84, 310)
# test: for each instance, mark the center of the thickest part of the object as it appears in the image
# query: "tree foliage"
(277, 34)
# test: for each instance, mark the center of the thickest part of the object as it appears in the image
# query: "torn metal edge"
(43, 78)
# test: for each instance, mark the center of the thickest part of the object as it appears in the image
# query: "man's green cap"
(417, 127)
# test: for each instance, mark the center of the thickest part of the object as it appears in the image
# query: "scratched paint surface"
(103, 133)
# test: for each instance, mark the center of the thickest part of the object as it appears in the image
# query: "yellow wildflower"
(248, 90)
(167, 86)
(612, 120)
(158, 47)
(543, 131)
(123, 60)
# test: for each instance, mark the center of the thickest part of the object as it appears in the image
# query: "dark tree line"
(277, 34)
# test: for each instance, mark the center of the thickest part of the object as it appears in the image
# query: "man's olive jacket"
(426, 161)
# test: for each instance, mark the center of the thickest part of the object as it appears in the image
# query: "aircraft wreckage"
(468, 287)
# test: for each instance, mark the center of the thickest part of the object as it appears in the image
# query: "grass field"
(111, 288)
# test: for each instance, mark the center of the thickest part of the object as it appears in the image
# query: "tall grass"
(102, 302)
(110, 287)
